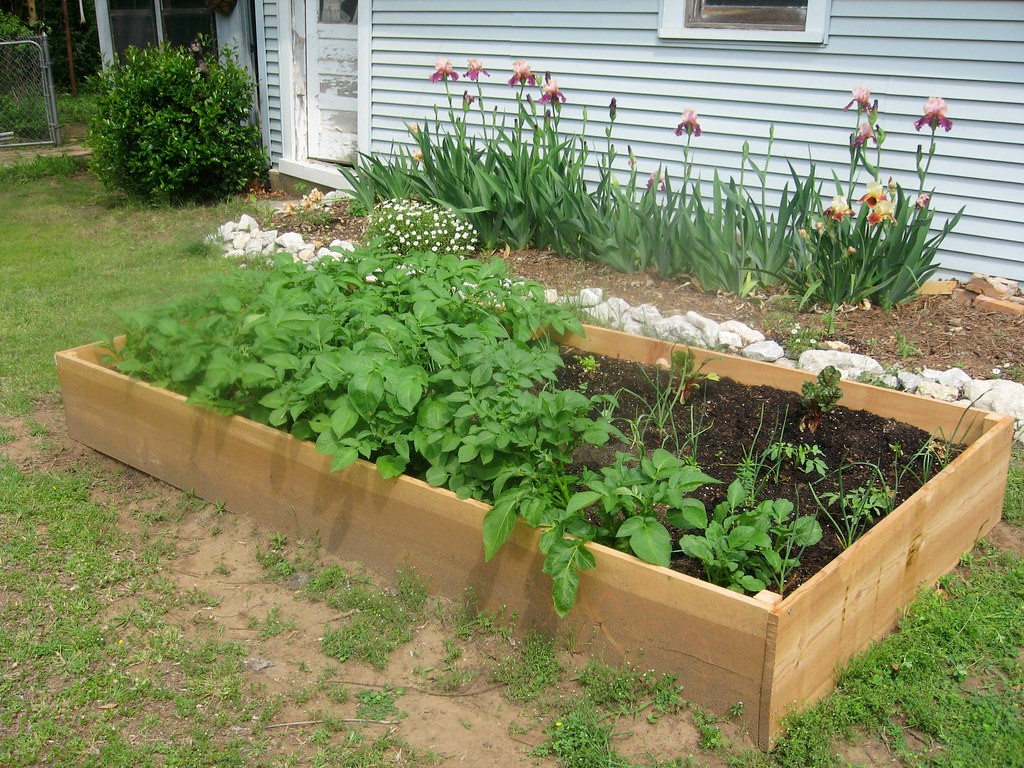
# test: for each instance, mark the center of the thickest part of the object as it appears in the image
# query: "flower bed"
(771, 653)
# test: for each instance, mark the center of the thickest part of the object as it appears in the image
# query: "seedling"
(820, 397)
(689, 374)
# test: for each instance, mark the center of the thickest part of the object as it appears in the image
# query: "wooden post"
(67, 42)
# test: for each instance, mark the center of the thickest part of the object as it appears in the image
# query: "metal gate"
(28, 106)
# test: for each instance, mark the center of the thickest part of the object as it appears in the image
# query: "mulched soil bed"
(735, 419)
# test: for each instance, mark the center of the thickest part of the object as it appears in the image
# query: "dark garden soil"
(929, 332)
(735, 421)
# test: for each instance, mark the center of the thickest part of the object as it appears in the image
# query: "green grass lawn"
(72, 259)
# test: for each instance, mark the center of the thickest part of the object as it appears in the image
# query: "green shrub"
(11, 27)
(407, 225)
(172, 125)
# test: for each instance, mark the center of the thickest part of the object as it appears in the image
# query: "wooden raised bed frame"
(770, 653)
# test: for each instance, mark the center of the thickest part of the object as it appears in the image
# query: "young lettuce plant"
(819, 397)
(623, 507)
(746, 549)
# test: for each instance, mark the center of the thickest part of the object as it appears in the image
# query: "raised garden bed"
(771, 653)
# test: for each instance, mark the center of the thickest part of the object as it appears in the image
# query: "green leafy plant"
(808, 459)
(689, 375)
(819, 397)
(172, 125)
(884, 251)
(851, 511)
(402, 226)
(746, 549)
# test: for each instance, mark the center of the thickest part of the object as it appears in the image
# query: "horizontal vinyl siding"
(601, 49)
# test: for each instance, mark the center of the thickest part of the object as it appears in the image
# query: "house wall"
(970, 53)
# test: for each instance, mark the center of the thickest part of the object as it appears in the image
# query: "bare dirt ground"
(214, 551)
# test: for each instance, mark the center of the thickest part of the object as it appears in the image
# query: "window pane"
(183, 25)
(747, 14)
(338, 11)
(756, 3)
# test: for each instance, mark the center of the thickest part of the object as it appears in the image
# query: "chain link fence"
(28, 106)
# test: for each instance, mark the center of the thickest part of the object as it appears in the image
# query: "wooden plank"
(937, 288)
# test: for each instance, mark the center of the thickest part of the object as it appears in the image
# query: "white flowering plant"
(404, 226)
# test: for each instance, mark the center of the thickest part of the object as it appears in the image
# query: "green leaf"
(434, 414)
(696, 546)
(437, 476)
(343, 418)
(391, 466)
(498, 523)
(581, 500)
(563, 563)
(408, 392)
(366, 390)
(689, 514)
(648, 539)
(345, 457)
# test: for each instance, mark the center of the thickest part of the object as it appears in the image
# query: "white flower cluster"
(408, 225)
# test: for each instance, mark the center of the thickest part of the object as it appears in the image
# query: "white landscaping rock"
(909, 381)
(709, 328)
(764, 351)
(1001, 396)
(677, 329)
(591, 297)
(937, 391)
(645, 314)
(849, 364)
(248, 223)
(730, 340)
(745, 332)
(550, 295)
(954, 377)
(291, 242)
(343, 245)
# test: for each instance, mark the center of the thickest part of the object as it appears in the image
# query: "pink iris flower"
(934, 115)
(688, 123)
(864, 134)
(467, 99)
(922, 200)
(475, 69)
(523, 74)
(444, 70)
(861, 97)
(551, 91)
(656, 179)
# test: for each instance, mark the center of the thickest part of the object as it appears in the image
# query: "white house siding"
(268, 36)
(970, 53)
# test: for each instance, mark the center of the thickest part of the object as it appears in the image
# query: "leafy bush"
(407, 225)
(172, 126)
(11, 27)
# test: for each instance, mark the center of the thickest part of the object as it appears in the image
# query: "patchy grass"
(73, 260)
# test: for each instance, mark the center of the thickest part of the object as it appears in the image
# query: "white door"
(332, 72)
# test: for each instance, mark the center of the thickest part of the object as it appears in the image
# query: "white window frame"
(672, 25)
